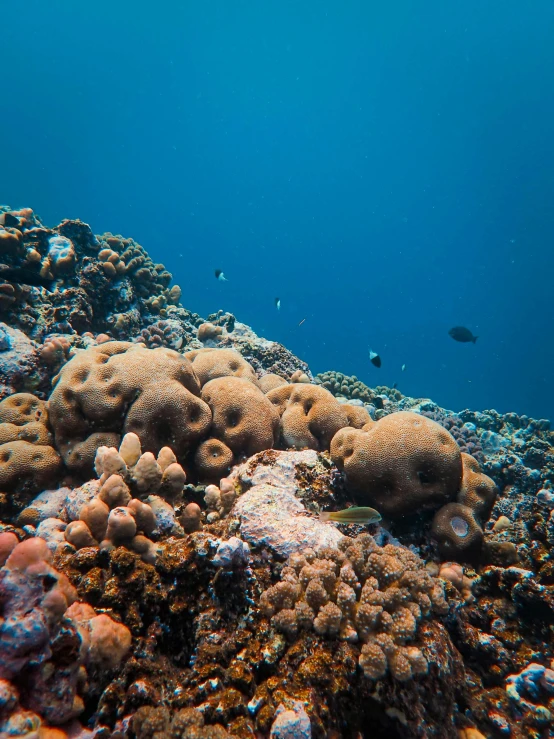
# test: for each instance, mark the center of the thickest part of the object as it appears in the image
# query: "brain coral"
(271, 381)
(402, 464)
(311, 416)
(209, 364)
(478, 491)
(213, 460)
(28, 462)
(243, 418)
(119, 387)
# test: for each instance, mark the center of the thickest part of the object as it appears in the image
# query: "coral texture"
(119, 387)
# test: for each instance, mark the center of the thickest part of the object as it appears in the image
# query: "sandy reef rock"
(271, 512)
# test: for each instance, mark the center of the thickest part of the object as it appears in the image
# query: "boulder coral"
(243, 418)
(310, 415)
(120, 387)
(212, 460)
(211, 364)
(270, 381)
(400, 465)
(28, 461)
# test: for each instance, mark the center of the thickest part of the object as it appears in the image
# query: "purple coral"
(465, 434)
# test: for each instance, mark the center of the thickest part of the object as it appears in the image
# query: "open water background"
(386, 169)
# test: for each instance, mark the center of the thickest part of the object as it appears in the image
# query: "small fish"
(278, 303)
(220, 276)
(302, 321)
(394, 385)
(26, 276)
(403, 368)
(463, 334)
(374, 358)
(355, 514)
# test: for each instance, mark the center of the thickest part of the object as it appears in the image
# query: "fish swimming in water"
(356, 514)
(374, 358)
(25, 276)
(463, 334)
(403, 367)
(220, 276)
(302, 321)
(278, 303)
(394, 385)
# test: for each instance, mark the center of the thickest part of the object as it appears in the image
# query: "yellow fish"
(355, 514)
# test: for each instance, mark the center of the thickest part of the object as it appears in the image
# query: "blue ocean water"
(385, 169)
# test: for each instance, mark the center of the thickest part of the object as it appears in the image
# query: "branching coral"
(113, 517)
(359, 593)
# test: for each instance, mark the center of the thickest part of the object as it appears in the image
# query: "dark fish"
(463, 334)
(278, 303)
(220, 276)
(394, 385)
(374, 358)
(355, 514)
(25, 276)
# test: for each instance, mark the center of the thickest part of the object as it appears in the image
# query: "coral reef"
(401, 464)
(359, 593)
(28, 460)
(119, 387)
(48, 641)
(165, 570)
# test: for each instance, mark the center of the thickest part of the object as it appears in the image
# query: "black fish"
(25, 276)
(374, 358)
(463, 334)
(220, 276)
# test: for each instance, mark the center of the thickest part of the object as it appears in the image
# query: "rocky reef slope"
(165, 570)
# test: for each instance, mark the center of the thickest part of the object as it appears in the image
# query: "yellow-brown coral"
(118, 387)
(403, 464)
(363, 593)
